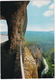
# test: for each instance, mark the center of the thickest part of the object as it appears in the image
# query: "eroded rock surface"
(15, 14)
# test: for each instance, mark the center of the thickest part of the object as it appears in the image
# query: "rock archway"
(15, 14)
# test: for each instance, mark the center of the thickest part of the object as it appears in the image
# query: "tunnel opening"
(3, 31)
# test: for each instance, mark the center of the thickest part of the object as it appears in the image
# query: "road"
(46, 67)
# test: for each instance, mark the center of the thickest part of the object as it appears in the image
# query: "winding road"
(46, 67)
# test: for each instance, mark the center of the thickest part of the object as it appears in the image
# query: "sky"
(40, 16)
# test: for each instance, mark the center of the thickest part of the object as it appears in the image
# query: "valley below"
(45, 43)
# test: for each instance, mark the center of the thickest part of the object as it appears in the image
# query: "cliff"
(30, 67)
(36, 53)
(15, 14)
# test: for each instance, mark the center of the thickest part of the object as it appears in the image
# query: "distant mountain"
(39, 36)
(45, 40)
(4, 32)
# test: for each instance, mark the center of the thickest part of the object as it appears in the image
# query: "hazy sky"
(40, 14)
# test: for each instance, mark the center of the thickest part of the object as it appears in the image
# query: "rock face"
(30, 67)
(35, 53)
(8, 62)
(15, 14)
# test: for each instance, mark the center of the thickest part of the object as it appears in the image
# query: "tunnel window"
(3, 31)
